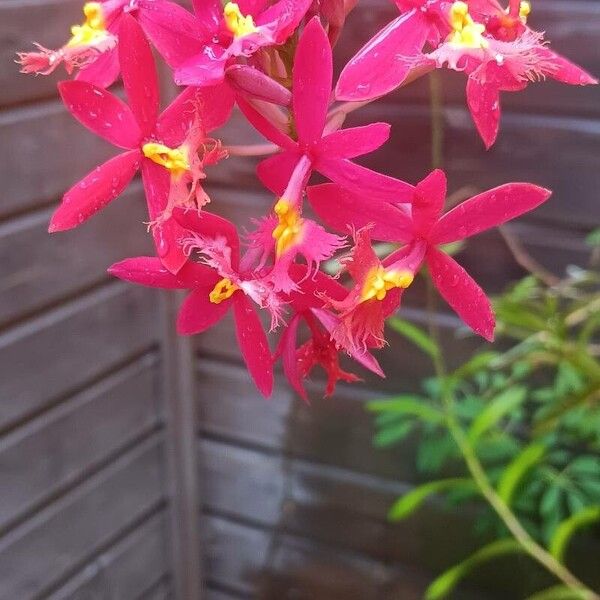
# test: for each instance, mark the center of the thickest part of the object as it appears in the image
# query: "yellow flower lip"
(223, 290)
(379, 282)
(93, 28)
(236, 22)
(173, 159)
(466, 33)
(289, 229)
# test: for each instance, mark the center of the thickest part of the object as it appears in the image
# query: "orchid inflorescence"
(274, 60)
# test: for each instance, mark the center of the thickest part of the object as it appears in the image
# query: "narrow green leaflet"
(447, 581)
(405, 506)
(567, 529)
(559, 592)
(498, 408)
(514, 473)
(409, 405)
(416, 335)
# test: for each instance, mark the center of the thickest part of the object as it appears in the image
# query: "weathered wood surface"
(56, 542)
(135, 563)
(60, 351)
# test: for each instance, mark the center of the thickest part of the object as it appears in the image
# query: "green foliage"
(530, 414)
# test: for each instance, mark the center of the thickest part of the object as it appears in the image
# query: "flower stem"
(252, 150)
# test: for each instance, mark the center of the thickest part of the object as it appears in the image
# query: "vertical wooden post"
(184, 493)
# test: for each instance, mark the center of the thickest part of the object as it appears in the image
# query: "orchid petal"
(253, 344)
(564, 70)
(95, 191)
(209, 14)
(103, 72)
(285, 14)
(210, 225)
(101, 112)
(262, 125)
(287, 350)
(174, 31)
(462, 293)
(275, 172)
(150, 272)
(355, 141)
(341, 209)
(211, 106)
(486, 210)
(139, 73)
(205, 68)
(483, 99)
(428, 201)
(312, 78)
(384, 62)
(198, 313)
(167, 234)
(371, 184)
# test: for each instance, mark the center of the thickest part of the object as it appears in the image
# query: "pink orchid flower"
(165, 147)
(323, 151)
(92, 48)
(499, 54)
(422, 230)
(238, 29)
(216, 286)
(320, 350)
(385, 61)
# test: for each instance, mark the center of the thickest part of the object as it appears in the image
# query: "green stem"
(476, 469)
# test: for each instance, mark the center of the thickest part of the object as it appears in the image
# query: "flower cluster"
(273, 59)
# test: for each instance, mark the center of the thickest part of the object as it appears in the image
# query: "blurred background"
(293, 499)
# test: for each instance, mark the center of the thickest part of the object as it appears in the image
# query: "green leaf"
(480, 361)
(593, 238)
(416, 335)
(434, 452)
(416, 406)
(392, 435)
(447, 581)
(559, 592)
(500, 406)
(567, 529)
(514, 473)
(407, 504)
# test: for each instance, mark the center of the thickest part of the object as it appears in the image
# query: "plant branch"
(474, 466)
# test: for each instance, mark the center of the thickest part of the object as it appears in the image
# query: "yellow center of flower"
(173, 159)
(222, 291)
(524, 10)
(465, 32)
(289, 229)
(379, 282)
(236, 22)
(92, 29)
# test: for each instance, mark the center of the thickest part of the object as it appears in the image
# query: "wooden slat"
(48, 152)
(126, 569)
(163, 591)
(36, 556)
(60, 350)
(237, 554)
(59, 447)
(45, 22)
(311, 500)
(42, 269)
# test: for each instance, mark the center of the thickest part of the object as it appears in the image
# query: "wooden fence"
(97, 453)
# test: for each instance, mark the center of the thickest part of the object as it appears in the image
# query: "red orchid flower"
(237, 29)
(309, 306)
(325, 152)
(164, 147)
(384, 62)
(92, 47)
(215, 287)
(422, 230)
(499, 54)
